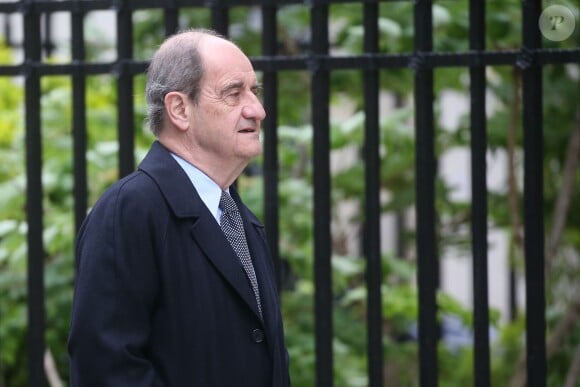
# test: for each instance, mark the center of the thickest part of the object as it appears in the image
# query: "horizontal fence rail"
(423, 61)
(539, 57)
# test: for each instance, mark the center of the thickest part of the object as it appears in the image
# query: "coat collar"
(172, 182)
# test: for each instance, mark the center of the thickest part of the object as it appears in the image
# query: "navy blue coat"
(161, 299)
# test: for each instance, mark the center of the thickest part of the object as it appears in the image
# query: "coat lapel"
(210, 238)
(186, 203)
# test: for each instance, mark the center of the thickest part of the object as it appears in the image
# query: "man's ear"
(176, 105)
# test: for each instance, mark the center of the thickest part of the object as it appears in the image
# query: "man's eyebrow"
(231, 86)
(238, 85)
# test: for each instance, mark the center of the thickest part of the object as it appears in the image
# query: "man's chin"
(254, 151)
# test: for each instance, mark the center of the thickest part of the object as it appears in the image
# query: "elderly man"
(175, 283)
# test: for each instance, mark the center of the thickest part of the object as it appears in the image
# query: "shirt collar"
(208, 190)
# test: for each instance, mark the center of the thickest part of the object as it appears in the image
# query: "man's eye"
(232, 94)
(232, 98)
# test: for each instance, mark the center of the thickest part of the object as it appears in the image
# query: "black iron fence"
(423, 61)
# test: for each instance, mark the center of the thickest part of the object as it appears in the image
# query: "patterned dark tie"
(233, 228)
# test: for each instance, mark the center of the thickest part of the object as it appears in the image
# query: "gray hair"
(176, 66)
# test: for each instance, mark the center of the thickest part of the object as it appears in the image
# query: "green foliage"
(12, 227)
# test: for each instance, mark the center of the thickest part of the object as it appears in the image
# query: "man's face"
(226, 119)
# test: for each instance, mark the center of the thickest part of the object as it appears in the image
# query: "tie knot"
(227, 203)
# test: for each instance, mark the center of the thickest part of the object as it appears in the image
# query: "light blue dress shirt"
(209, 192)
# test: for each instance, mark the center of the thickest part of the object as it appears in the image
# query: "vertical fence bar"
(171, 19)
(372, 234)
(79, 117)
(425, 170)
(533, 196)
(125, 104)
(320, 89)
(479, 198)
(270, 80)
(34, 196)
(220, 17)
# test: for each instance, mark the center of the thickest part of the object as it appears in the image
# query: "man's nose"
(254, 109)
